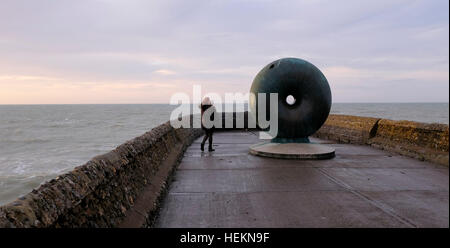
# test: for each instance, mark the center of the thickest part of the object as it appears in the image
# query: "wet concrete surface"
(360, 187)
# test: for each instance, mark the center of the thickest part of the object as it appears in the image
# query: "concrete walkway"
(360, 187)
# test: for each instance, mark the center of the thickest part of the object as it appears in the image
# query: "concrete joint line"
(383, 207)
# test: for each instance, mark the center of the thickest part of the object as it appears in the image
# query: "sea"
(40, 142)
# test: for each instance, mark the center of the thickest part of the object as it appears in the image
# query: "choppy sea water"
(39, 142)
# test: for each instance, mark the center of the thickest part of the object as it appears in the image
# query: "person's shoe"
(202, 147)
(210, 149)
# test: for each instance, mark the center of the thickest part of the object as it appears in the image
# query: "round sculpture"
(304, 97)
(304, 103)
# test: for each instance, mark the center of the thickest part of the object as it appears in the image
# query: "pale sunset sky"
(130, 51)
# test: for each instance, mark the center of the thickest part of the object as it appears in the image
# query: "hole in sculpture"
(271, 66)
(290, 100)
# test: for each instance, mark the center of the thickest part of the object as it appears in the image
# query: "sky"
(111, 51)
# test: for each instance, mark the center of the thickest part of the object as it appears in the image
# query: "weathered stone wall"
(231, 121)
(418, 140)
(101, 192)
(348, 129)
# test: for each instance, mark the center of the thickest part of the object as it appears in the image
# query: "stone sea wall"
(119, 188)
(418, 140)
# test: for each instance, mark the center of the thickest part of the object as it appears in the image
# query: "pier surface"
(360, 187)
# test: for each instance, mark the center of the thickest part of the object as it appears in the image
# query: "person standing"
(207, 106)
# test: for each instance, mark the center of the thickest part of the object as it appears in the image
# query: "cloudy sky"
(130, 51)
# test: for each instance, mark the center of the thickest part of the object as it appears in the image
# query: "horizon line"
(11, 104)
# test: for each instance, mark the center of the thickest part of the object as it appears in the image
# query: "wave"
(117, 125)
(27, 141)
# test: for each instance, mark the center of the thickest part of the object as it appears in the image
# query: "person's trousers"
(208, 136)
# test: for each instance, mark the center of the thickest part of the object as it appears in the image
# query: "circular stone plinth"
(292, 150)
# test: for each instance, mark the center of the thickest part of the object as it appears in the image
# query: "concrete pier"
(385, 174)
(361, 187)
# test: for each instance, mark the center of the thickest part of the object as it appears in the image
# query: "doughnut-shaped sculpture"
(304, 97)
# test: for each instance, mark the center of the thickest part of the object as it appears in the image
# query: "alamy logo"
(263, 109)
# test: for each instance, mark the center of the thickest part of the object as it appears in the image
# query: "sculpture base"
(292, 150)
